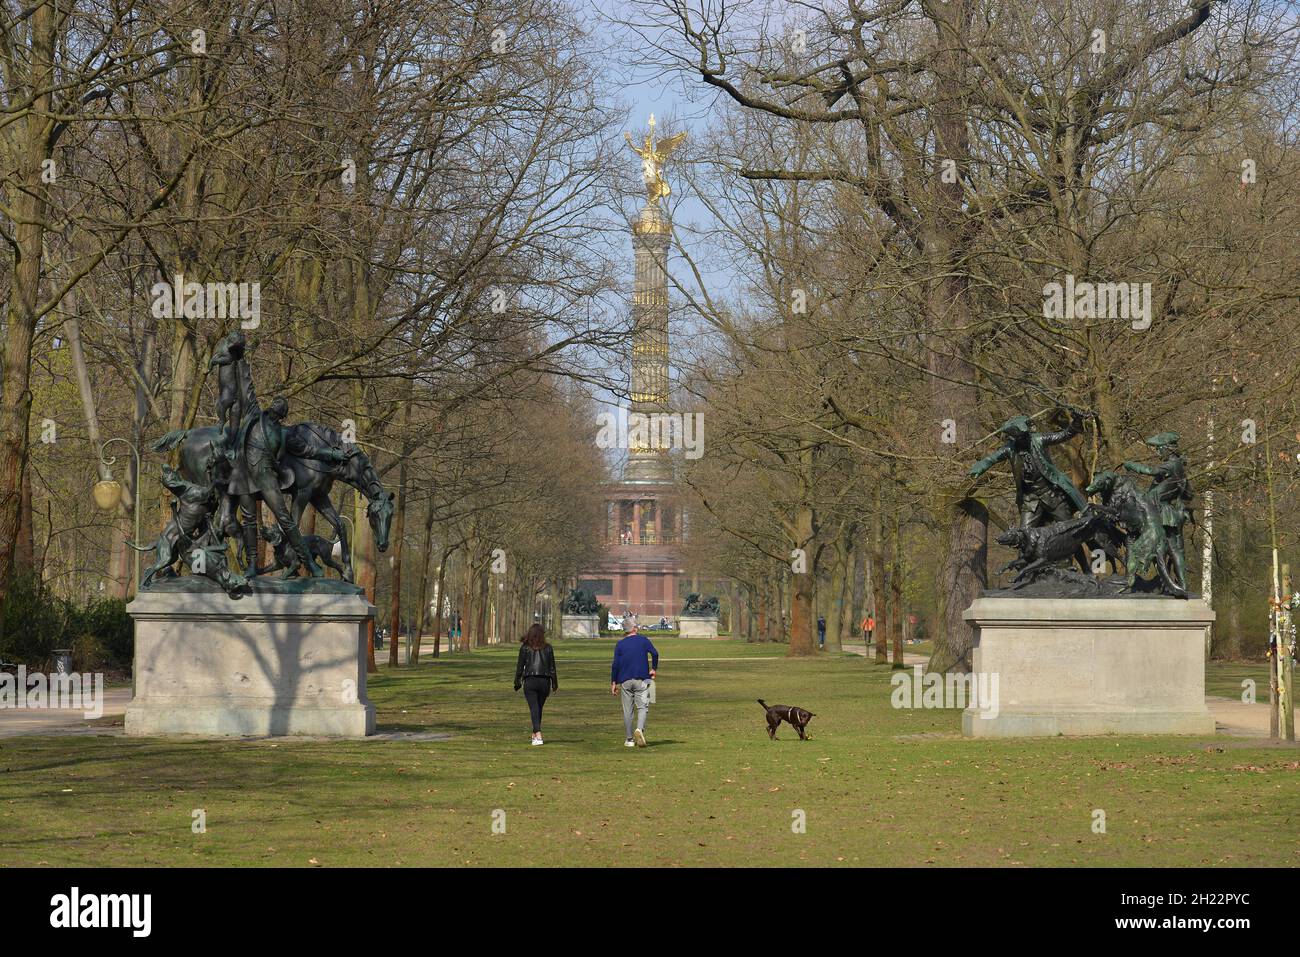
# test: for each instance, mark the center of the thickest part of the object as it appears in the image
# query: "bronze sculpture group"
(252, 456)
(696, 607)
(1140, 527)
(580, 601)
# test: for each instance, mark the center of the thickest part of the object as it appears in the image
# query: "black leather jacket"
(536, 664)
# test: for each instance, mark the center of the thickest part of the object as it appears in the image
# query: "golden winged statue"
(653, 153)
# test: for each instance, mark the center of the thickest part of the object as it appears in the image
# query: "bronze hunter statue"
(1043, 492)
(1173, 493)
(251, 455)
(1140, 528)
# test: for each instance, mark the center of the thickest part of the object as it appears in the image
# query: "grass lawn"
(1224, 678)
(877, 786)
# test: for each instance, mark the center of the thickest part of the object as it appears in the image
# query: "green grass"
(879, 786)
(1224, 678)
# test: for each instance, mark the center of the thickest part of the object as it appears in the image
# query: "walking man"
(630, 676)
(821, 632)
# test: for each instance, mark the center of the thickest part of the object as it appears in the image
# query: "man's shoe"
(639, 738)
(629, 743)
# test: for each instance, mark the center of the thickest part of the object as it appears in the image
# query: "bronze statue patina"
(579, 601)
(1170, 488)
(321, 548)
(251, 455)
(226, 360)
(1140, 528)
(1043, 492)
(1139, 512)
(192, 537)
(1039, 548)
(695, 608)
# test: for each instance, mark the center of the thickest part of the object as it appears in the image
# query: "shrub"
(34, 622)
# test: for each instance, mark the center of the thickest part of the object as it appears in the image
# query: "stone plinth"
(1091, 666)
(692, 626)
(579, 626)
(265, 664)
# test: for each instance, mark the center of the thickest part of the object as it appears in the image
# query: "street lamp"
(107, 492)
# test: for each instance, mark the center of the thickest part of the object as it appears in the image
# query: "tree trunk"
(422, 611)
(953, 393)
(28, 198)
(363, 561)
(965, 572)
(26, 556)
(857, 612)
(396, 544)
(439, 599)
(896, 597)
(880, 609)
(839, 590)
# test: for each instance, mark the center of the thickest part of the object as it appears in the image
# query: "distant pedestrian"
(821, 631)
(868, 627)
(630, 676)
(535, 673)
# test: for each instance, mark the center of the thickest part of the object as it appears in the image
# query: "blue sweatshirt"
(629, 659)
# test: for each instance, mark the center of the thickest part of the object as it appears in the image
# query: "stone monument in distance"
(698, 619)
(578, 615)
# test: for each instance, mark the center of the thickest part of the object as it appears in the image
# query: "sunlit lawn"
(877, 786)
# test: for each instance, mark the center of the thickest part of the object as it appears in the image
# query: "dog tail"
(762, 702)
(170, 440)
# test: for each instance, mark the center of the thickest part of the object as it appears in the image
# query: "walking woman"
(535, 672)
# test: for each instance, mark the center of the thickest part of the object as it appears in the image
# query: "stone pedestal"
(1090, 666)
(579, 626)
(265, 664)
(690, 626)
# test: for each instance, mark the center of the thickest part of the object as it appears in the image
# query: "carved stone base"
(579, 626)
(689, 626)
(1090, 666)
(267, 664)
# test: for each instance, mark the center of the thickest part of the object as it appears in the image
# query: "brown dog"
(798, 718)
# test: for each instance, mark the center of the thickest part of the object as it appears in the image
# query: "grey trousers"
(635, 694)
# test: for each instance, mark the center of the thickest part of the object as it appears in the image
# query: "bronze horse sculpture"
(304, 482)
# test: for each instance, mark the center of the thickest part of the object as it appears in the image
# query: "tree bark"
(965, 570)
(395, 586)
(29, 200)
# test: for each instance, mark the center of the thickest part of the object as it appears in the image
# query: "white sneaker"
(537, 741)
(629, 743)
(639, 738)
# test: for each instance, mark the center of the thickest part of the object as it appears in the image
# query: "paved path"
(909, 658)
(1235, 717)
(20, 721)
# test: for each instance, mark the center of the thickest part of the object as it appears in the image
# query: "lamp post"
(107, 491)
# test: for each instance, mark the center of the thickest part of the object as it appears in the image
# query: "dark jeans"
(536, 690)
